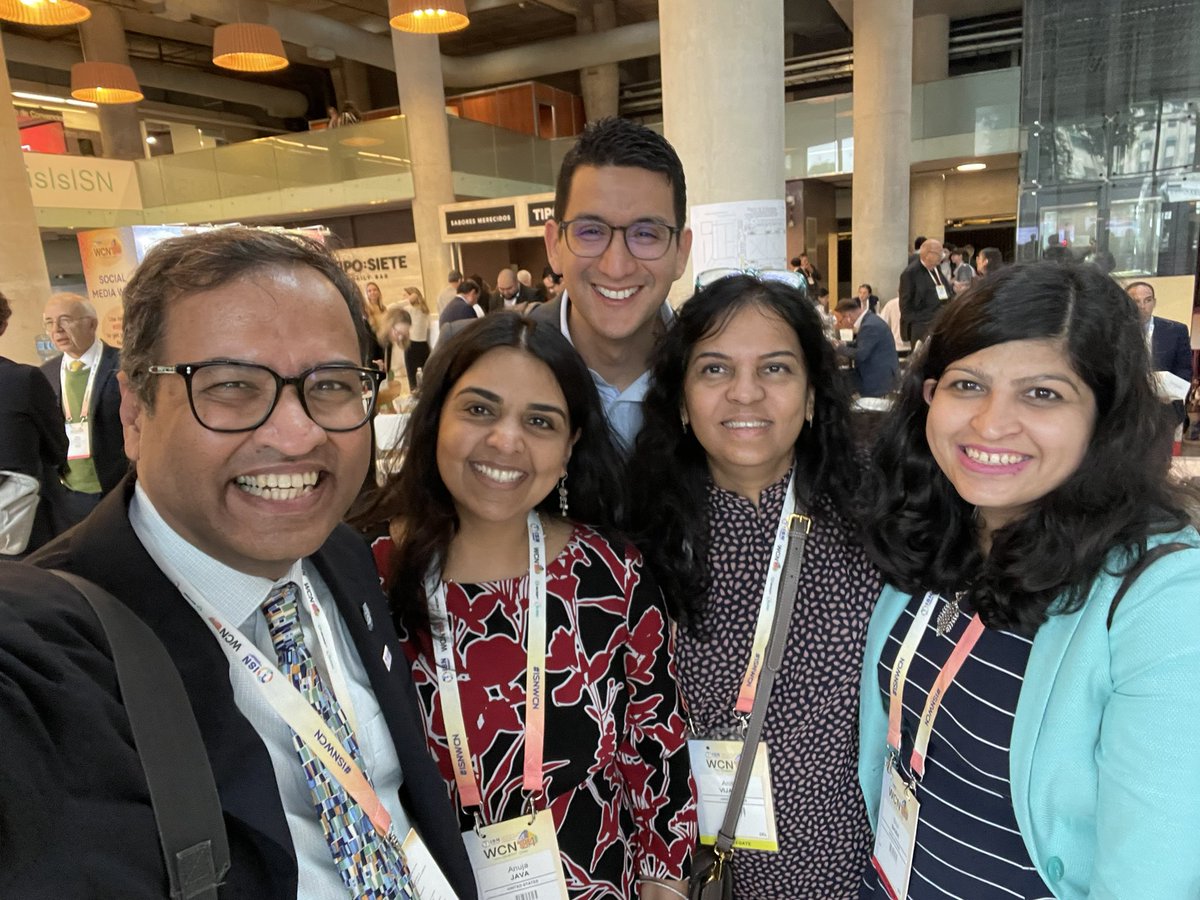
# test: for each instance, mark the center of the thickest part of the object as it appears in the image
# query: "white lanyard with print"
(515, 857)
(79, 435)
(714, 762)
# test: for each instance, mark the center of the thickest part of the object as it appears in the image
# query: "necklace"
(949, 615)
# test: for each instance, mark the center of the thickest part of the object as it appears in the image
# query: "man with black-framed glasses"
(246, 406)
(619, 240)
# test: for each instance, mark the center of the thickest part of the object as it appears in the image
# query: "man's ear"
(132, 412)
(551, 236)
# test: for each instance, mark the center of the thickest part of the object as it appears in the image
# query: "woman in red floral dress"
(507, 412)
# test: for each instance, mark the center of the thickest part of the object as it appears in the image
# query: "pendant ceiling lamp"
(43, 12)
(248, 47)
(106, 83)
(424, 17)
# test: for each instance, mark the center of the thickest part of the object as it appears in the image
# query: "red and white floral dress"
(615, 772)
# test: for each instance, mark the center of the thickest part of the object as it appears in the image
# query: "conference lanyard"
(535, 676)
(933, 703)
(86, 402)
(770, 599)
(291, 706)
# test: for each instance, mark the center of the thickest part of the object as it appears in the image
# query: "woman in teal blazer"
(1023, 482)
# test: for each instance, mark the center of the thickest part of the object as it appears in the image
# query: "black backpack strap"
(191, 825)
(1148, 558)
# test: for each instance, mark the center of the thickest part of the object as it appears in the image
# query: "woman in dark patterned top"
(482, 542)
(744, 402)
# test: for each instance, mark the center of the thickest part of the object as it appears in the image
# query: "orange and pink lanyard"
(535, 677)
(933, 703)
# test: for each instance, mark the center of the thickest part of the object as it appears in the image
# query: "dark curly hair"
(923, 536)
(417, 497)
(668, 474)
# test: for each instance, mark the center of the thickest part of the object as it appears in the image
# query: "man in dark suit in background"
(511, 293)
(229, 524)
(84, 379)
(32, 439)
(876, 364)
(1170, 346)
(923, 290)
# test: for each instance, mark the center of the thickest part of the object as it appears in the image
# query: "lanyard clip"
(531, 804)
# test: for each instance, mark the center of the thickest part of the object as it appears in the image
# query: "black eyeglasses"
(589, 238)
(233, 396)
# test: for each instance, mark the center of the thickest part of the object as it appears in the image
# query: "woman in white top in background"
(417, 351)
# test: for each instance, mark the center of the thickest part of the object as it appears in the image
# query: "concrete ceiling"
(538, 35)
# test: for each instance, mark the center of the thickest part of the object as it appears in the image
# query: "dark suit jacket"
(104, 413)
(919, 301)
(457, 309)
(876, 364)
(1171, 348)
(32, 437)
(74, 809)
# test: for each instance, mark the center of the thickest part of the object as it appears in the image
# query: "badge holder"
(745, 757)
(517, 857)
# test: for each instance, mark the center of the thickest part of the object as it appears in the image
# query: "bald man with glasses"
(246, 407)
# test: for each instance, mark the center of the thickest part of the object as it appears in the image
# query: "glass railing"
(369, 163)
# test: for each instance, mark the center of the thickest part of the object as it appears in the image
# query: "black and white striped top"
(968, 845)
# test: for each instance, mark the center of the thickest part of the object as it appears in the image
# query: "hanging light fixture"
(422, 17)
(248, 47)
(44, 12)
(106, 83)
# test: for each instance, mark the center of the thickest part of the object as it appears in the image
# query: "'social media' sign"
(82, 182)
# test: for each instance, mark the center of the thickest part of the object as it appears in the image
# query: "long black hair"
(923, 535)
(668, 473)
(417, 498)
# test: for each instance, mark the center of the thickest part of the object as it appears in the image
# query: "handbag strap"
(187, 809)
(799, 526)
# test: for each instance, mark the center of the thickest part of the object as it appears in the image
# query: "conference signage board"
(82, 182)
(391, 267)
(110, 256)
(502, 219)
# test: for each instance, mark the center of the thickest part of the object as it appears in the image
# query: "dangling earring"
(562, 496)
(683, 419)
(808, 416)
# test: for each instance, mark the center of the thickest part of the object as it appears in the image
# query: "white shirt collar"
(90, 357)
(235, 595)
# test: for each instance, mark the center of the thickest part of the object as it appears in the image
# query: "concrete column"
(723, 100)
(350, 82)
(927, 206)
(103, 39)
(601, 85)
(931, 48)
(423, 104)
(882, 138)
(24, 279)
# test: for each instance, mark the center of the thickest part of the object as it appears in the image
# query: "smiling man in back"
(619, 240)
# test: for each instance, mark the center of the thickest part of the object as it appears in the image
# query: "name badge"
(79, 440)
(941, 292)
(427, 878)
(517, 859)
(714, 764)
(896, 835)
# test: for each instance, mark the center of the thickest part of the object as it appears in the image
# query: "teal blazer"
(1105, 753)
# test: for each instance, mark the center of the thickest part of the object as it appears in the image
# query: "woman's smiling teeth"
(610, 294)
(746, 423)
(503, 476)
(994, 459)
(278, 485)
